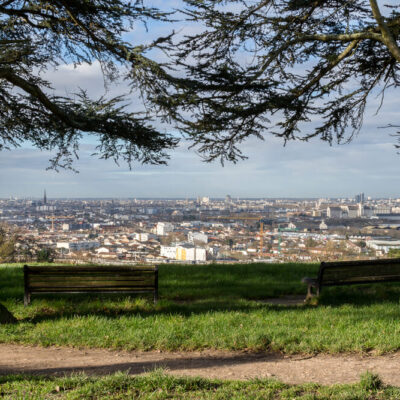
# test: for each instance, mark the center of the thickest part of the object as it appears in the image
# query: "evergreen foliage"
(296, 69)
(38, 35)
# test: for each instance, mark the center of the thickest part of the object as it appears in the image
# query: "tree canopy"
(37, 35)
(296, 69)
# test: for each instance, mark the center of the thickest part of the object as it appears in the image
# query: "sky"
(369, 164)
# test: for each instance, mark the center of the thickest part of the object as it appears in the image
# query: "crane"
(54, 217)
(251, 218)
(279, 238)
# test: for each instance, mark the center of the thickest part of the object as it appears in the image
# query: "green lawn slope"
(213, 307)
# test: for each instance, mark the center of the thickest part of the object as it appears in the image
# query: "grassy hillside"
(212, 306)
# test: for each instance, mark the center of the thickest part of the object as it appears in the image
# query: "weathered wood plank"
(76, 269)
(92, 284)
(361, 262)
(88, 279)
(63, 289)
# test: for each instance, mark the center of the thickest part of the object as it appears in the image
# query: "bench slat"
(91, 284)
(78, 269)
(90, 273)
(91, 289)
(92, 278)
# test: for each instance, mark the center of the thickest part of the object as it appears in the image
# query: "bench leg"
(27, 298)
(309, 293)
(155, 297)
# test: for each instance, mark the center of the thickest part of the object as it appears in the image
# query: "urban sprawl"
(203, 230)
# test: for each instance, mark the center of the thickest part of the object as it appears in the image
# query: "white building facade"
(163, 228)
(197, 237)
(79, 245)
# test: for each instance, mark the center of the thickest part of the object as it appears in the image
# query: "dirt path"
(324, 369)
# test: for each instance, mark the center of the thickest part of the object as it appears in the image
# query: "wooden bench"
(90, 279)
(353, 273)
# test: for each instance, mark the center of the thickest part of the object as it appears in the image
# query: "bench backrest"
(357, 272)
(86, 279)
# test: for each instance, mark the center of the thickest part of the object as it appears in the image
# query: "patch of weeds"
(370, 381)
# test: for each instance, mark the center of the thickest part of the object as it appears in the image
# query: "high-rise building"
(359, 198)
(44, 197)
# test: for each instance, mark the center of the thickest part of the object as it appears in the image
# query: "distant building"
(187, 252)
(163, 228)
(352, 211)
(151, 211)
(143, 237)
(79, 245)
(368, 211)
(177, 213)
(184, 252)
(205, 200)
(102, 250)
(291, 225)
(197, 237)
(383, 245)
(168, 252)
(76, 226)
(383, 209)
(323, 226)
(45, 208)
(334, 212)
(359, 198)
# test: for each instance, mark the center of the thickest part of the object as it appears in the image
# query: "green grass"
(158, 385)
(213, 307)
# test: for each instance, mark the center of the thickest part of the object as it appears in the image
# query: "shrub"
(45, 255)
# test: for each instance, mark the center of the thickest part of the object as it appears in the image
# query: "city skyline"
(358, 197)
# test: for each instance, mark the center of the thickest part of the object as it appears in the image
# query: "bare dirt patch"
(323, 369)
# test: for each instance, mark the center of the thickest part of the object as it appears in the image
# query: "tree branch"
(345, 53)
(345, 37)
(387, 37)
(35, 91)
